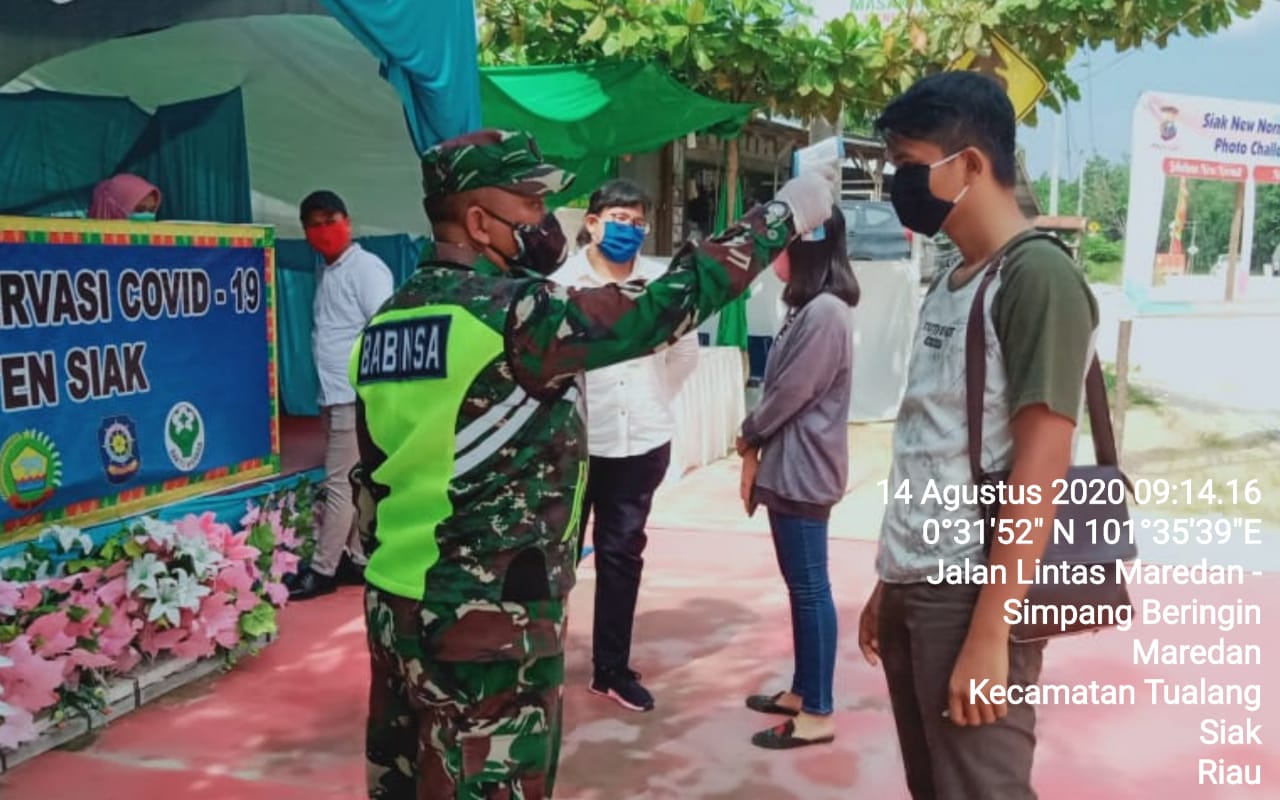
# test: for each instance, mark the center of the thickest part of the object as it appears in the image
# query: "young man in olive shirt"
(951, 139)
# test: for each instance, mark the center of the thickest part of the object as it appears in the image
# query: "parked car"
(874, 232)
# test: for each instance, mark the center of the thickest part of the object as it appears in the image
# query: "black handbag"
(1093, 505)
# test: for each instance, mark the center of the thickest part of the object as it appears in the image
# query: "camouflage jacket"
(470, 420)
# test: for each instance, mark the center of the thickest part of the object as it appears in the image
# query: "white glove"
(809, 197)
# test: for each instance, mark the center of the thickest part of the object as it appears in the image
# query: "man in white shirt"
(350, 288)
(630, 425)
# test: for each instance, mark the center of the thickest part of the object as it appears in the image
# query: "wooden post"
(731, 181)
(1233, 251)
(1122, 385)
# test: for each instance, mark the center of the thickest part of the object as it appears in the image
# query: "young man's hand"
(750, 466)
(981, 659)
(869, 627)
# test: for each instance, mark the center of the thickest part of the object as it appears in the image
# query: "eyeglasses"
(622, 219)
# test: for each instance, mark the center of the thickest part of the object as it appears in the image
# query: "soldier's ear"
(477, 222)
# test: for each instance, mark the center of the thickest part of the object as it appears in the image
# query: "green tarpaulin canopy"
(587, 115)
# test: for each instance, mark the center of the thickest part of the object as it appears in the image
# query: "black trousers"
(620, 493)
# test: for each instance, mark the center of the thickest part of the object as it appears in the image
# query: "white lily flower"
(68, 538)
(158, 531)
(165, 603)
(204, 559)
(142, 575)
(188, 590)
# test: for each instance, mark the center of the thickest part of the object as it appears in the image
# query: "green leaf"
(259, 622)
(701, 58)
(578, 5)
(697, 13)
(612, 45)
(77, 613)
(630, 37)
(9, 632)
(134, 549)
(973, 36)
(594, 31)
(104, 619)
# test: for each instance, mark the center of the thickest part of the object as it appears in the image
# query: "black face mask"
(918, 207)
(540, 249)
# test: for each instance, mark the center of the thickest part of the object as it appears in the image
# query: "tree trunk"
(731, 181)
(1233, 250)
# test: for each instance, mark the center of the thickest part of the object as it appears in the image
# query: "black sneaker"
(623, 687)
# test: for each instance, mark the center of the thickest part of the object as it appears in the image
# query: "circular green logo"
(30, 469)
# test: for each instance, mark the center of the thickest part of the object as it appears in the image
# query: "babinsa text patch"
(404, 350)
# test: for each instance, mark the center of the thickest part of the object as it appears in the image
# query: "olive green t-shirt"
(1044, 315)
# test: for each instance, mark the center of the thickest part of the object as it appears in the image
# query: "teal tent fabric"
(586, 115)
(427, 52)
(196, 152)
(296, 265)
(55, 147)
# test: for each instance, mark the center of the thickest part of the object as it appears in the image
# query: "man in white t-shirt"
(629, 430)
(350, 287)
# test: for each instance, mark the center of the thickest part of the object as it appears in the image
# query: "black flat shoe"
(312, 584)
(782, 737)
(768, 704)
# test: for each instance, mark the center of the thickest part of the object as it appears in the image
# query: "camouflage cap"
(501, 159)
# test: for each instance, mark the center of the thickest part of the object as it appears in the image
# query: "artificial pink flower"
(114, 590)
(220, 619)
(278, 594)
(117, 569)
(32, 681)
(283, 563)
(17, 729)
(10, 597)
(49, 634)
(83, 659)
(196, 645)
(287, 537)
(32, 596)
(152, 641)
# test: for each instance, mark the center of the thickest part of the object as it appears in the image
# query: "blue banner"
(137, 366)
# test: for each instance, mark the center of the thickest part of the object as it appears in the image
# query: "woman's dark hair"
(617, 193)
(822, 266)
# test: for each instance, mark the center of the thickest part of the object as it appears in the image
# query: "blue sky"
(1238, 63)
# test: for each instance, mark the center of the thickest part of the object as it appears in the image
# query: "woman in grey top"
(796, 464)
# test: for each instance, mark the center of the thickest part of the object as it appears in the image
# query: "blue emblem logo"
(118, 444)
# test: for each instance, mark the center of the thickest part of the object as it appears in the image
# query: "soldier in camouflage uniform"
(473, 460)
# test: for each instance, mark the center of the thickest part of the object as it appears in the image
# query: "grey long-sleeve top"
(802, 420)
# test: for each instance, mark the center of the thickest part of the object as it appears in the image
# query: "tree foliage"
(770, 52)
(1210, 208)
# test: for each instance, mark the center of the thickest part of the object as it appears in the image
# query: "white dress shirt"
(348, 293)
(629, 404)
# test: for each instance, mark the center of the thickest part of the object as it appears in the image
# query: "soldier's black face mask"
(540, 248)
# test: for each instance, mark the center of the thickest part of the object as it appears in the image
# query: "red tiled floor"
(712, 627)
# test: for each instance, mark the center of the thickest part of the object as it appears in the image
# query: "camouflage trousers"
(446, 730)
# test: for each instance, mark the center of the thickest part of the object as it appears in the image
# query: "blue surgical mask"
(143, 216)
(621, 241)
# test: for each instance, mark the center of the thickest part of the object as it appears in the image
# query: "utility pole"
(1084, 169)
(1053, 171)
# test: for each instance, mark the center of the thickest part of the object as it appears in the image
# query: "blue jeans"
(801, 545)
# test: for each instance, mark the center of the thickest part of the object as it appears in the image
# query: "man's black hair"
(323, 200)
(955, 110)
(822, 266)
(617, 193)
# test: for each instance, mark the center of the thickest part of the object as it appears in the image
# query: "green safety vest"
(470, 487)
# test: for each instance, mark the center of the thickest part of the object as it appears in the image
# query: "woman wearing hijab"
(125, 196)
(796, 464)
